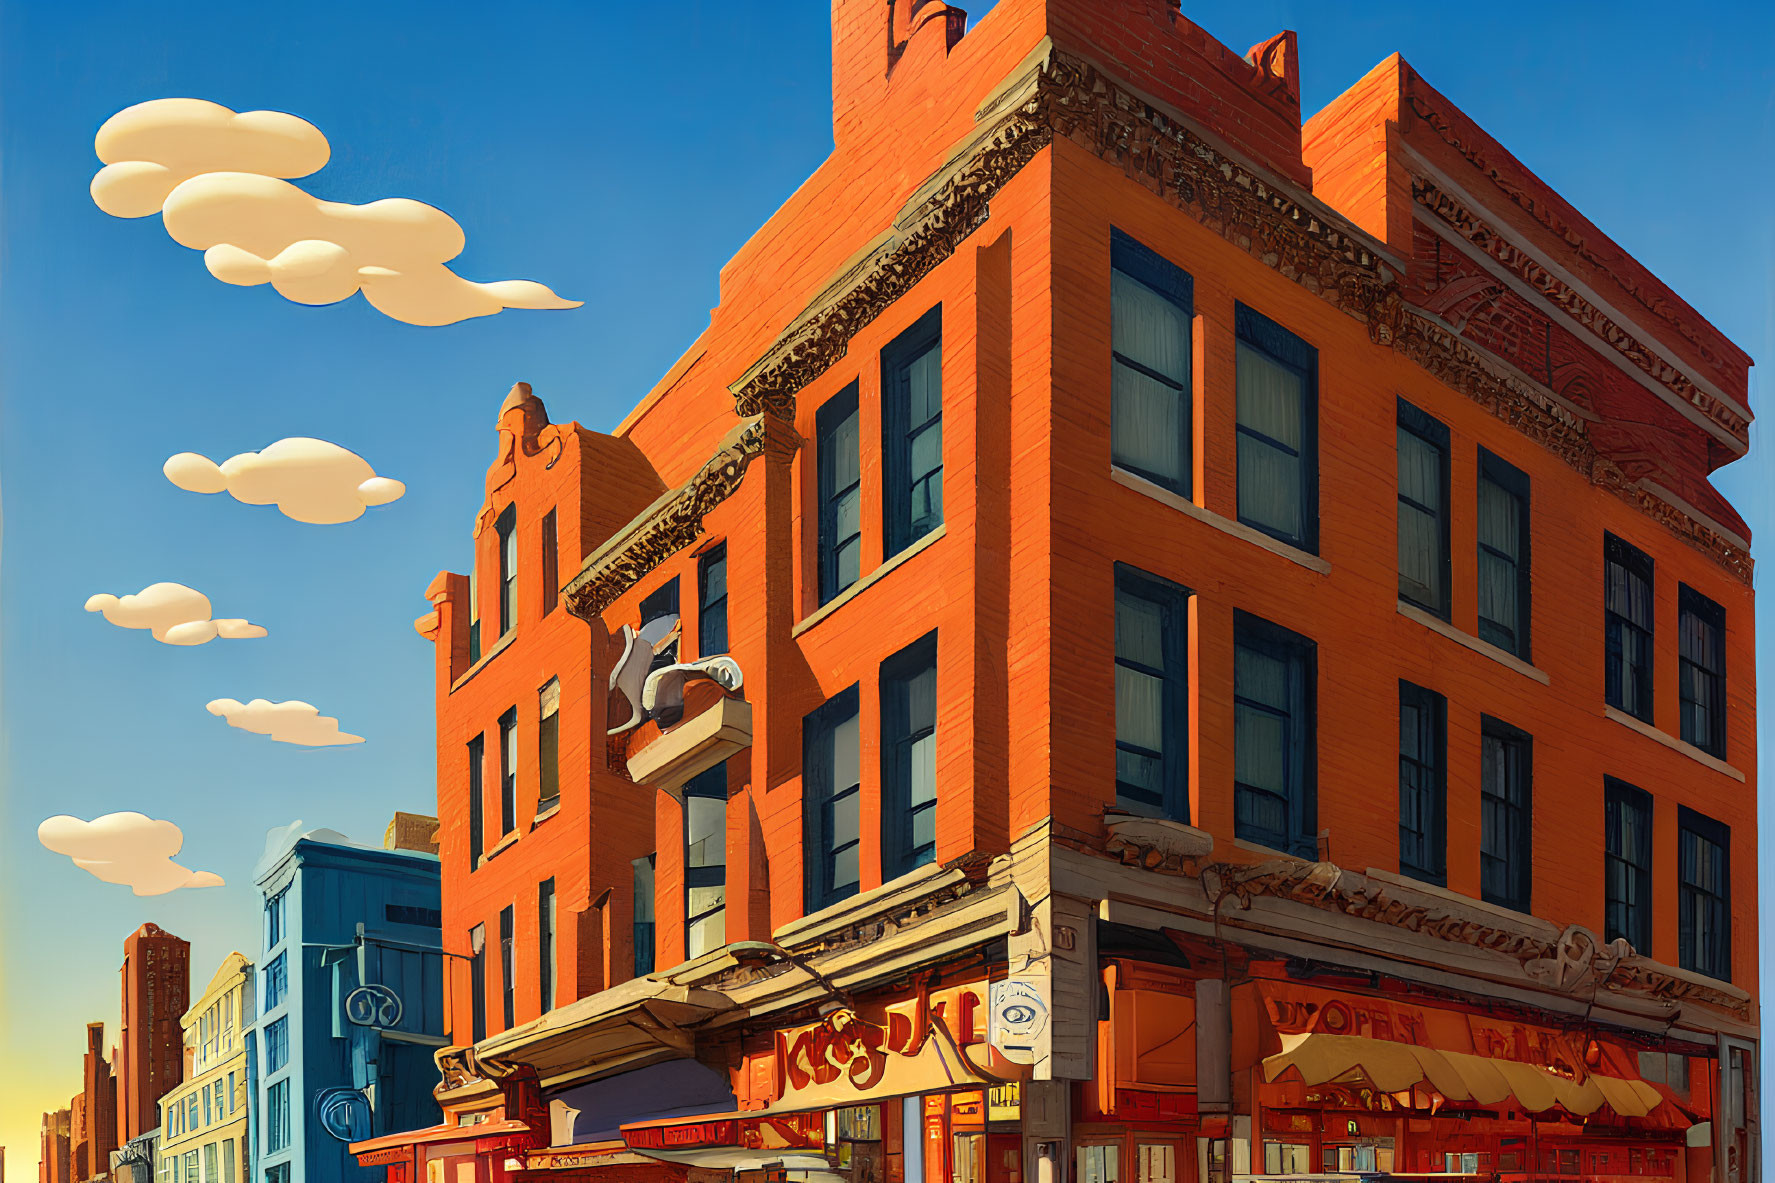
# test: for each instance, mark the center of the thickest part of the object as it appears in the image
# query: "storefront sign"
(380, 1158)
(914, 1048)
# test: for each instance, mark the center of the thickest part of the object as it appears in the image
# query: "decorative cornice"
(1563, 296)
(665, 527)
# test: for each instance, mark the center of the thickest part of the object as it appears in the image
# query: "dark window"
(909, 757)
(277, 982)
(1506, 769)
(477, 798)
(641, 872)
(831, 797)
(545, 944)
(548, 746)
(277, 1116)
(662, 601)
(1627, 864)
(711, 586)
(274, 919)
(1152, 695)
(1152, 424)
(508, 771)
(412, 914)
(551, 563)
(474, 615)
(1423, 784)
(280, 1173)
(277, 1045)
(1701, 664)
(705, 861)
(1503, 528)
(1274, 672)
(841, 496)
(1704, 895)
(912, 432)
(507, 528)
(1278, 410)
(477, 979)
(1627, 622)
(507, 981)
(1423, 510)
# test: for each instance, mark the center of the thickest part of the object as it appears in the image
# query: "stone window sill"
(1258, 538)
(499, 646)
(856, 589)
(1484, 648)
(1673, 743)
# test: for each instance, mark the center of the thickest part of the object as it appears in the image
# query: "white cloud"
(218, 180)
(286, 722)
(172, 613)
(309, 480)
(127, 848)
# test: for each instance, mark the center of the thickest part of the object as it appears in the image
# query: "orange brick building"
(1146, 640)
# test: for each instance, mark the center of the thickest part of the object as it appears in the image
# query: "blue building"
(350, 1002)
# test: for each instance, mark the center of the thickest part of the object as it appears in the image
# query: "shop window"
(551, 563)
(1423, 510)
(1627, 890)
(912, 433)
(211, 1168)
(1214, 1164)
(191, 1167)
(1274, 671)
(1155, 1162)
(831, 794)
(711, 594)
(548, 747)
(1505, 814)
(1503, 527)
(545, 944)
(1277, 380)
(840, 479)
(909, 757)
(1099, 1163)
(1287, 1158)
(228, 1161)
(1704, 927)
(1627, 620)
(477, 981)
(1152, 424)
(1701, 643)
(507, 979)
(1152, 694)
(1423, 784)
(477, 793)
(705, 861)
(641, 879)
(508, 772)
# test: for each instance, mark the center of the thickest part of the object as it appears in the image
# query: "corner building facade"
(1146, 641)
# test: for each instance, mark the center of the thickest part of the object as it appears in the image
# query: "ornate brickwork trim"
(1526, 268)
(665, 527)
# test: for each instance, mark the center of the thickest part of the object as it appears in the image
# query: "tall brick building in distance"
(53, 1162)
(1148, 641)
(156, 979)
(95, 1109)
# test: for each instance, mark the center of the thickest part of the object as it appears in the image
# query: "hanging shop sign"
(1017, 1017)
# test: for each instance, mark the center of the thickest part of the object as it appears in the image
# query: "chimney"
(411, 831)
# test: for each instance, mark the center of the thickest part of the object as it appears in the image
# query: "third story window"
(477, 803)
(1423, 510)
(909, 757)
(1152, 424)
(1627, 622)
(912, 433)
(1506, 765)
(508, 771)
(1277, 380)
(1274, 675)
(1503, 528)
(841, 496)
(1423, 784)
(711, 595)
(1701, 666)
(705, 862)
(1152, 694)
(832, 791)
(1627, 864)
(548, 746)
(1704, 895)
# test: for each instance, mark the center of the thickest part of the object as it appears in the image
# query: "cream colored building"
(203, 1122)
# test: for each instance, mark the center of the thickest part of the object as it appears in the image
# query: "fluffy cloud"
(219, 180)
(309, 480)
(172, 613)
(286, 722)
(128, 848)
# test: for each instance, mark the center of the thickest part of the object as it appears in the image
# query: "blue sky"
(619, 154)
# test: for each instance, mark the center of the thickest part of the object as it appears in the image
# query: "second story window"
(1627, 864)
(1627, 623)
(705, 862)
(274, 920)
(277, 1044)
(545, 945)
(1278, 430)
(276, 982)
(551, 563)
(1503, 528)
(1701, 670)
(1274, 675)
(277, 1123)
(841, 495)
(661, 601)
(507, 975)
(1423, 510)
(1704, 895)
(832, 796)
(1152, 695)
(912, 433)
(1505, 814)
(508, 772)
(477, 798)
(548, 746)
(909, 757)
(641, 886)
(477, 981)
(507, 528)
(711, 596)
(1151, 420)
(1423, 784)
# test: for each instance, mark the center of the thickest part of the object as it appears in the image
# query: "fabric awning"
(441, 1133)
(1460, 1076)
(799, 1166)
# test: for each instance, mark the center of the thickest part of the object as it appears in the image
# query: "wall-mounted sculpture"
(658, 694)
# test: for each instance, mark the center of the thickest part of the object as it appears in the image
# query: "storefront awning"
(1395, 1067)
(799, 1166)
(441, 1133)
